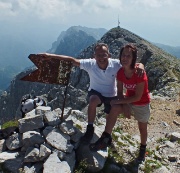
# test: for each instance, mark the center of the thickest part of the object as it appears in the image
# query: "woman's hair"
(134, 53)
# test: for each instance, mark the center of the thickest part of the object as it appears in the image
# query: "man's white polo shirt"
(103, 81)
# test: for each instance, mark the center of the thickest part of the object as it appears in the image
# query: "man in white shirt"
(102, 71)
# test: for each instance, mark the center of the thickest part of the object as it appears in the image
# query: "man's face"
(101, 56)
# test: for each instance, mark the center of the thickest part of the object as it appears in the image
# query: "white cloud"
(153, 3)
(6, 9)
(44, 9)
(51, 8)
(135, 15)
(38, 8)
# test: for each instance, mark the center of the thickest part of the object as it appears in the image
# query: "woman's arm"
(120, 89)
(136, 97)
(74, 61)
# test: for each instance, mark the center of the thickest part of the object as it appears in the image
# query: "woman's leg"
(143, 132)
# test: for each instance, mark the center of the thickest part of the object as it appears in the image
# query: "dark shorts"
(104, 100)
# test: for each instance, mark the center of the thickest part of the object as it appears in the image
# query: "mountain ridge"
(96, 33)
(173, 50)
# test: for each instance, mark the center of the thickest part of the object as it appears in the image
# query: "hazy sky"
(155, 20)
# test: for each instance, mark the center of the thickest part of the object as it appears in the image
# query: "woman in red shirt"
(136, 99)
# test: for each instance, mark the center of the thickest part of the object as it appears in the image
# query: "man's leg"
(112, 117)
(94, 101)
(105, 140)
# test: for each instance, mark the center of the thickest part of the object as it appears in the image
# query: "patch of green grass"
(157, 148)
(78, 126)
(162, 140)
(115, 138)
(149, 151)
(151, 165)
(119, 158)
(121, 116)
(82, 167)
(118, 129)
(151, 118)
(176, 73)
(10, 124)
(98, 123)
(120, 144)
(178, 141)
(128, 139)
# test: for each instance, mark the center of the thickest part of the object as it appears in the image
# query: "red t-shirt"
(130, 85)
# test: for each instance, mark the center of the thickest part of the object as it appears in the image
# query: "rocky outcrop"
(47, 144)
(44, 143)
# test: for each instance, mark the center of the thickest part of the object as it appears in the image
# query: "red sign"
(49, 70)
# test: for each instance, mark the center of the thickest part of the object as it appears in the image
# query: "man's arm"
(74, 61)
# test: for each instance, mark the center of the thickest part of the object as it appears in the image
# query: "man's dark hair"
(134, 53)
(100, 45)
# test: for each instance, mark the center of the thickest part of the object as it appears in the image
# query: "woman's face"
(126, 57)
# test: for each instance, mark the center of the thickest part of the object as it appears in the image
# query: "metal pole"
(65, 94)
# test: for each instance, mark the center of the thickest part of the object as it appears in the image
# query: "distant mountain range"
(82, 38)
(175, 51)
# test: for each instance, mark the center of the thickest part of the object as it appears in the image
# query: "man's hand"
(139, 69)
(45, 55)
(114, 102)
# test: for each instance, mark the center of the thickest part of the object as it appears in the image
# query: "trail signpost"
(50, 71)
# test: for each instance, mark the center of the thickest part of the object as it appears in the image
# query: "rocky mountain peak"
(71, 38)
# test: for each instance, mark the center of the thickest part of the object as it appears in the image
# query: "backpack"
(28, 103)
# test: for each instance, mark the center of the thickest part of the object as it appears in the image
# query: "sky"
(154, 20)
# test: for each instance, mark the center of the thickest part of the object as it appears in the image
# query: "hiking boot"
(102, 143)
(142, 154)
(88, 134)
(140, 159)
